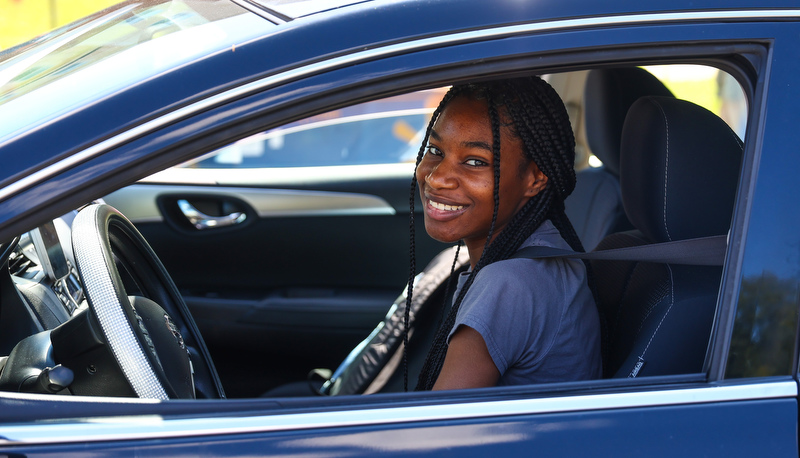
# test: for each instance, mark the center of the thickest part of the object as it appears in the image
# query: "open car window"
(388, 131)
(334, 151)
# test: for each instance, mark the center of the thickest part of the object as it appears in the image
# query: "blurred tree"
(763, 337)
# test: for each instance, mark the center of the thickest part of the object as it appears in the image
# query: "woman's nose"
(441, 176)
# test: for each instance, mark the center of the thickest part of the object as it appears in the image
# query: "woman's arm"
(467, 363)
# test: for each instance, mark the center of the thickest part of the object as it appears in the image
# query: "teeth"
(445, 207)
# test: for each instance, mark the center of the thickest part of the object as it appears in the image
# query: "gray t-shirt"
(537, 316)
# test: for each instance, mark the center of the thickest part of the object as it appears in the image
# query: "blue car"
(204, 228)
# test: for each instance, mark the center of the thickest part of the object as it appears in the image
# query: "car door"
(707, 413)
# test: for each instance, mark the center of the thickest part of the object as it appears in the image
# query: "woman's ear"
(536, 180)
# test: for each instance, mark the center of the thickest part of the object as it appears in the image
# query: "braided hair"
(539, 119)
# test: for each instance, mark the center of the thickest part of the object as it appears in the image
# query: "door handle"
(201, 221)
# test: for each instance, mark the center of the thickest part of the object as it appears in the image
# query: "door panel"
(297, 284)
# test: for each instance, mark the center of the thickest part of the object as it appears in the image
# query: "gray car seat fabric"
(679, 172)
(595, 206)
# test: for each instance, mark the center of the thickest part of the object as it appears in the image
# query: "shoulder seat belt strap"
(704, 251)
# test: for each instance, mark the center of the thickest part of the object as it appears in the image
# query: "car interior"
(643, 166)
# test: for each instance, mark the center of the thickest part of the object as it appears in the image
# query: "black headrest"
(608, 94)
(679, 169)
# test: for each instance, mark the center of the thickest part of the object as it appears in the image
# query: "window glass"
(763, 337)
(123, 46)
(299, 8)
(333, 146)
(386, 131)
(389, 131)
(709, 87)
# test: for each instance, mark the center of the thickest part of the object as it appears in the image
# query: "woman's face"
(456, 176)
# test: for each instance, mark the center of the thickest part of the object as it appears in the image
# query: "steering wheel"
(151, 337)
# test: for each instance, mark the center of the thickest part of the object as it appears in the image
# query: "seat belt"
(703, 251)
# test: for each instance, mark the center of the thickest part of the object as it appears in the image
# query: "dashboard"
(100, 318)
(42, 267)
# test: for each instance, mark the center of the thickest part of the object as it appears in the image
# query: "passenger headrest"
(679, 169)
(608, 94)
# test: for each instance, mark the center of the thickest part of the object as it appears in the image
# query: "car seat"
(595, 206)
(679, 171)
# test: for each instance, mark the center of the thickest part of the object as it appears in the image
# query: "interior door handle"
(202, 221)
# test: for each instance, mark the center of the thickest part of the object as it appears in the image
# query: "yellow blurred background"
(22, 20)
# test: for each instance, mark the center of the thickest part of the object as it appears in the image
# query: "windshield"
(98, 56)
(300, 8)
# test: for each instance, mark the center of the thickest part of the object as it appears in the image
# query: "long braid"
(539, 118)
(433, 363)
(449, 283)
(412, 271)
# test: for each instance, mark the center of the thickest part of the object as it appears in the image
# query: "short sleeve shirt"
(537, 316)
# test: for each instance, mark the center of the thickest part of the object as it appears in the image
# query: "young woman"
(493, 172)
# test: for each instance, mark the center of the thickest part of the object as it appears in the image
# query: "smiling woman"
(494, 173)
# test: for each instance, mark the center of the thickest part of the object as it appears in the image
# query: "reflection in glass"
(763, 339)
(385, 131)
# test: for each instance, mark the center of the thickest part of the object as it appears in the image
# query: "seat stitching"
(672, 302)
(642, 322)
(735, 137)
(666, 169)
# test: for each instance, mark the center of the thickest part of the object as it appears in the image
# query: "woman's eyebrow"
(477, 144)
(465, 144)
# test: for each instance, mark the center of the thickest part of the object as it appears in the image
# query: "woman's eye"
(433, 150)
(476, 163)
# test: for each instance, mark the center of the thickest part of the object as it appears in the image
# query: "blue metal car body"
(268, 74)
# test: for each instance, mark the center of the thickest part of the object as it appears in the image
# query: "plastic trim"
(139, 202)
(157, 427)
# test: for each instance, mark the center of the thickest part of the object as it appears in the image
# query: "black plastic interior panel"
(355, 252)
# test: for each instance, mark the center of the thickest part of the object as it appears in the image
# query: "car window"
(339, 150)
(386, 131)
(709, 87)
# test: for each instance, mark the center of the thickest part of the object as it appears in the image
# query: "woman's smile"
(442, 210)
(444, 207)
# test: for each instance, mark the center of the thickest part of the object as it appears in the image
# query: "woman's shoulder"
(546, 235)
(563, 273)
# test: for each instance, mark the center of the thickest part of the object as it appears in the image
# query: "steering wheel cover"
(105, 295)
